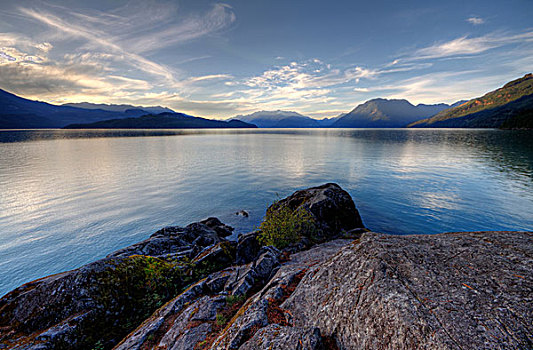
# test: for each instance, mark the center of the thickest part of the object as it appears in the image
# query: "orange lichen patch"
(193, 324)
(276, 314)
(289, 289)
(467, 286)
(254, 330)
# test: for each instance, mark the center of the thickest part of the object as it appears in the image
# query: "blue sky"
(219, 59)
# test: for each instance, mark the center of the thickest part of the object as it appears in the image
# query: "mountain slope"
(279, 119)
(20, 113)
(327, 122)
(383, 113)
(492, 110)
(162, 121)
(119, 108)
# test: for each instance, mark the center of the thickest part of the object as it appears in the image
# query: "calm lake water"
(71, 197)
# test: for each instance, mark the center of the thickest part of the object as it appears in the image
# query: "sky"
(220, 59)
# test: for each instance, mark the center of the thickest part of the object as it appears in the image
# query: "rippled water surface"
(70, 197)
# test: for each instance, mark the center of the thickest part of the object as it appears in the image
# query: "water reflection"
(69, 197)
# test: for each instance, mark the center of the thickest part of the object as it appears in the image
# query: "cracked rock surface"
(445, 291)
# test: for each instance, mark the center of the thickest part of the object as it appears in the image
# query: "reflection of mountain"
(383, 113)
(510, 106)
(510, 151)
(162, 121)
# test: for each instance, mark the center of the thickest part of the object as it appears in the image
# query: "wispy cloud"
(211, 77)
(471, 46)
(218, 18)
(308, 74)
(475, 20)
(100, 39)
(109, 53)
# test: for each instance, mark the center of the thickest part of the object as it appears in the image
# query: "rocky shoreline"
(341, 287)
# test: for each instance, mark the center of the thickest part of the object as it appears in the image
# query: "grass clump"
(221, 320)
(234, 299)
(283, 226)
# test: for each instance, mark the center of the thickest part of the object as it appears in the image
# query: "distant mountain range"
(283, 119)
(20, 113)
(164, 120)
(510, 106)
(119, 108)
(383, 113)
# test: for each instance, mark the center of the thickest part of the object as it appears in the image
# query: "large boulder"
(329, 206)
(248, 247)
(445, 291)
(179, 241)
(331, 213)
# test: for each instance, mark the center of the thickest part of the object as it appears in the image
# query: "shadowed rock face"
(179, 241)
(332, 208)
(99, 303)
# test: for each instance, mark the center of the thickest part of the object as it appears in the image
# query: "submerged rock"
(242, 213)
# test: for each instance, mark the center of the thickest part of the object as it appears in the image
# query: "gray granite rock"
(247, 248)
(276, 337)
(174, 240)
(259, 310)
(446, 291)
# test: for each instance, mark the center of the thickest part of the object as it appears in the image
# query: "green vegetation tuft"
(98, 346)
(136, 286)
(234, 299)
(283, 226)
(221, 320)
